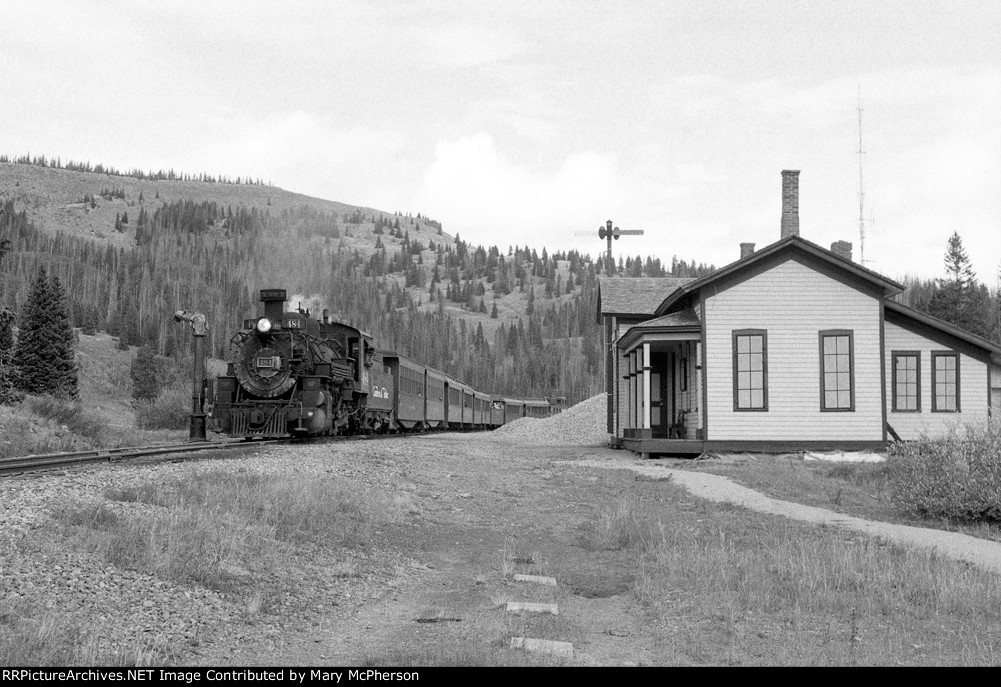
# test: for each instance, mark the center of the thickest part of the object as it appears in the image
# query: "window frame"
(683, 374)
(935, 355)
(763, 333)
(821, 335)
(893, 375)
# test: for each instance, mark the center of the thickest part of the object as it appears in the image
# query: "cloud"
(480, 190)
(302, 152)
(460, 45)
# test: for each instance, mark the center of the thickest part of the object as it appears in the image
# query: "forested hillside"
(511, 320)
(131, 248)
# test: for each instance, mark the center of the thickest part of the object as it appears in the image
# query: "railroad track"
(53, 461)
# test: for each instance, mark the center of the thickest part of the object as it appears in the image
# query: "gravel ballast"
(582, 424)
(129, 613)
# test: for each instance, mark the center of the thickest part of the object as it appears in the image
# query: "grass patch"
(54, 641)
(865, 490)
(269, 543)
(220, 529)
(44, 425)
(952, 483)
(861, 489)
(618, 528)
(738, 587)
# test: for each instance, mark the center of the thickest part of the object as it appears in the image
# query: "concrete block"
(543, 646)
(528, 607)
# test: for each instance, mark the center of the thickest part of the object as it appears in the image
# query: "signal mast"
(609, 232)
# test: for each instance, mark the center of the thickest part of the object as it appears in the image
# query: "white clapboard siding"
(995, 393)
(793, 303)
(622, 418)
(973, 388)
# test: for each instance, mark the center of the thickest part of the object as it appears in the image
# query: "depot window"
(750, 369)
(837, 370)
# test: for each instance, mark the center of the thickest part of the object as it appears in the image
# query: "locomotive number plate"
(265, 362)
(292, 324)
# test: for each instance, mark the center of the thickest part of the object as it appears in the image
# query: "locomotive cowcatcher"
(295, 376)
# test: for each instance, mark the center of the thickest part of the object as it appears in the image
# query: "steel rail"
(19, 465)
(51, 461)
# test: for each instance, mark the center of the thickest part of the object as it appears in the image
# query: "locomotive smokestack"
(274, 303)
(326, 316)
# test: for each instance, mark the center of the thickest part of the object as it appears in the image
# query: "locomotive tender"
(293, 376)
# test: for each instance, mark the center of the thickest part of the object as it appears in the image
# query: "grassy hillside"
(53, 197)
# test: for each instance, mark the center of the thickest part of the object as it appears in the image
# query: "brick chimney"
(746, 249)
(790, 202)
(843, 249)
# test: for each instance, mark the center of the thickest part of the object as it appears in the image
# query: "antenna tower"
(861, 191)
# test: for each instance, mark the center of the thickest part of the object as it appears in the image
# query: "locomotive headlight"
(264, 325)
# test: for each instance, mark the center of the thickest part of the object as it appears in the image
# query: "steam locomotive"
(293, 376)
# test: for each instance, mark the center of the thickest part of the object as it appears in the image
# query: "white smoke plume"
(314, 304)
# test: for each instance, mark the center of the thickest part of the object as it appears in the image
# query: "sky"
(526, 122)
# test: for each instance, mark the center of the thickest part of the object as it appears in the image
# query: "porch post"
(632, 390)
(637, 391)
(646, 386)
(698, 387)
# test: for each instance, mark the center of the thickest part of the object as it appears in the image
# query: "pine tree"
(7, 319)
(959, 299)
(29, 358)
(145, 380)
(8, 390)
(64, 367)
(44, 358)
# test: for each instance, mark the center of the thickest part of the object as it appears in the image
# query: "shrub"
(956, 477)
(69, 413)
(170, 410)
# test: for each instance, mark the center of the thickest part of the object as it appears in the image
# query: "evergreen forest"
(509, 320)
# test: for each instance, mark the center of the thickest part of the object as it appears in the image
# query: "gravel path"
(981, 552)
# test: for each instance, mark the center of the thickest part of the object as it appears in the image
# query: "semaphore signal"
(608, 231)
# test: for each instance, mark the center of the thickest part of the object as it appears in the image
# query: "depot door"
(660, 416)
